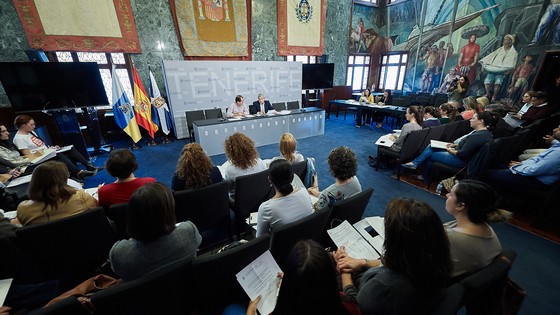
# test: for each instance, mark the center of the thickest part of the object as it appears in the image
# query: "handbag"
(512, 296)
(448, 183)
(84, 290)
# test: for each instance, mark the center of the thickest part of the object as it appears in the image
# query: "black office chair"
(117, 214)
(300, 169)
(483, 288)
(279, 106)
(213, 113)
(411, 147)
(167, 290)
(250, 191)
(68, 306)
(191, 117)
(214, 275)
(69, 249)
(293, 105)
(451, 302)
(208, 209)
(285, 237)
(350, 209)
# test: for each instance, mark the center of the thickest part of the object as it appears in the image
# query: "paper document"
(252, 219)
(234, 119)
(515, 123)
(64, 149)
(4, 288)
(19, 181)
(260, 277)
(385, 140)
(285, 112)
(92, 192)
(438, 144)
(370, 229)
(354, 243)
(47, 154)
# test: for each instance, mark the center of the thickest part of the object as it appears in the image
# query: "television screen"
(317, 76)
(38, 86)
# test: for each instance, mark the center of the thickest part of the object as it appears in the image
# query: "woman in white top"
(287, 205)
(472, 241)
(288, 146)
(243, 159)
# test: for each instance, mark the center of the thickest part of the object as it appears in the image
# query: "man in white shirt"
(238, 109)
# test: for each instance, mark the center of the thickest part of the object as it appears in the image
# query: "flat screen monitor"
(39, 86)
(317, 76)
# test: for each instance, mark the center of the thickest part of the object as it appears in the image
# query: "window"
(122, 62)
(358, 71)
(368, 2)
(392, 70)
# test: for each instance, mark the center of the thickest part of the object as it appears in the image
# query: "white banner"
(193, 85)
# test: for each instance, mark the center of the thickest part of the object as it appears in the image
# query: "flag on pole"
(142, 105)
(122, 109)
(160, 111)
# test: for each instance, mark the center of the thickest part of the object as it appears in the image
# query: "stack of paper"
(363, 240)
(47, 154)
(385, 140)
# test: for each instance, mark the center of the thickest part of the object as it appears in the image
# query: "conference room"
(159, 60)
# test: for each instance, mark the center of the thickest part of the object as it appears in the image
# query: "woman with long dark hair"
(413, 272)
(194, 169)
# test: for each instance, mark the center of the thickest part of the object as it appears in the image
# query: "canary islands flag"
(122, 109)
(143, 106)
(160, 110)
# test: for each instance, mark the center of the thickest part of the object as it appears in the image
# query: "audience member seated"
(342, 166)
(529, 153)
(459, 153)
(194, 169)
(9, 154)
(238, 109)
(386, 99)
(447, 113)
(6, 174)
(261, 106)
(122, 165)
(309, 285)
(470, 105)
(288, 147)
(50, 197)
(472, 241)
(537, 173)
(430, 119)
(288, 205)
(156, 239)
(500, 128)
(539, 109)
(481, 103)
(242, 159)
(525, 104)
(409, 279)
(414, 116)
(29, 143)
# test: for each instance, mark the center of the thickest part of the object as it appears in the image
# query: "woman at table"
(242, 159)
(29, 143)
(366, 98)
(386, 99)
(194, 169)
(50, 197)
(288, 204)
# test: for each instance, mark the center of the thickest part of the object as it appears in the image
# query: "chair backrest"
(214, 275)
(167, 290)
(451, 302)
(279, 106)
(293, 105)
(213, 113)
(483, 288)
(440, 99)
(208, 209)
(68, 306)
(463, 127)
(436, 133)
(285, 237)
(412, 145)
(350, 209)
(69, 249)
(449, 131)
(250, 191)
(192, 116)
(117, 213)
(300, 168)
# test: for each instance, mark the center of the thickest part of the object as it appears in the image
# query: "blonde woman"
(288, 147)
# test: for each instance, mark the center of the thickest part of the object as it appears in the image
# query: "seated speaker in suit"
(261, 106)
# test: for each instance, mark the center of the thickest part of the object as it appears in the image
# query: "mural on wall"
(363, 36)
(496, 45)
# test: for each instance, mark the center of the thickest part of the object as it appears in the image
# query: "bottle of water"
(439, 188)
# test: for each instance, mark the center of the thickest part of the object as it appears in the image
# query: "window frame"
(402, 66)
(371, 3)
(366, 66)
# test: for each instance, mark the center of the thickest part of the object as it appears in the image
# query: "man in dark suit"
(261, 106)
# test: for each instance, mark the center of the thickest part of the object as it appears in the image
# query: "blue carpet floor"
(537, 268)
